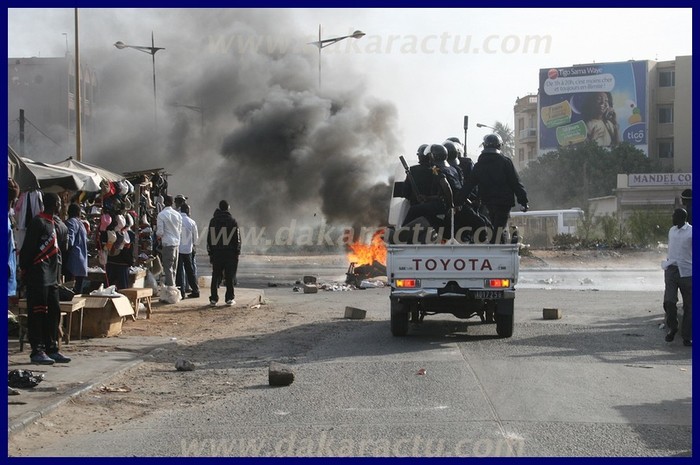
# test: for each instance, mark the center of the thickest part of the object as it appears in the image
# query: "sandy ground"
(211, 336)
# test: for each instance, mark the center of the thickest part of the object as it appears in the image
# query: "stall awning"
(81, 165)
(54, 178)
(18, 170)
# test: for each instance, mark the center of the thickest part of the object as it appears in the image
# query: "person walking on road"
(40, 265)
(223, 247)
(185, 267)
(678, 275)
(168, 229)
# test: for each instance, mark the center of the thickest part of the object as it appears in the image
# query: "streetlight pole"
(78, 111)
(479, 125)
(152, 51)
(326, 42)
(466, 126)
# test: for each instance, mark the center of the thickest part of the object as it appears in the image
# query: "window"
(666, 148)
(665, 114)
(521, 124)
(521, 155)
(667, 78)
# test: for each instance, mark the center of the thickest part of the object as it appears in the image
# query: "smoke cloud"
(248, 124)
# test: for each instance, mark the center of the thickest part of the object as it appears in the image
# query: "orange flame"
(366, 254)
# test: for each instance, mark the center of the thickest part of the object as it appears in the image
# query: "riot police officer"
(498, 183)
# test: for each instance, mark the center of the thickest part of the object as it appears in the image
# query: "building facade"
(526, 149)
(45, 89)
(666, 114)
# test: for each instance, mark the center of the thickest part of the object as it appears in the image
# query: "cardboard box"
(104, 315)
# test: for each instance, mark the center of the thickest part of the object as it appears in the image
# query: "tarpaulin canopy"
(18, 170)
(81, 165)
(54, 178)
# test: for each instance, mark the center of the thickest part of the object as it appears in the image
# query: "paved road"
(599, 382)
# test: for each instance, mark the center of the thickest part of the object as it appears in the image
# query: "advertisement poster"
(601, 102)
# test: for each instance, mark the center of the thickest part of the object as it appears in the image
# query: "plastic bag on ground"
(170, 295)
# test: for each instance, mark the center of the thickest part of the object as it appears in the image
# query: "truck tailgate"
(469, 265)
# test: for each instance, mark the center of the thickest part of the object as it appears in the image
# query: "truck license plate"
(491, 295)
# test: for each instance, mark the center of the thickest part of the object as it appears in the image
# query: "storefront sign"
(660, 179)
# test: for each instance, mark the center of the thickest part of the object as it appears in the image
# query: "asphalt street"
(601, 381)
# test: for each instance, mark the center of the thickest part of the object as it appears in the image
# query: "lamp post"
(321, 44)
(151, 51)
(479, 125)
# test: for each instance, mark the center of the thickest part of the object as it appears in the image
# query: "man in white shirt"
(678, 275)
(168, 229)
(189, 237)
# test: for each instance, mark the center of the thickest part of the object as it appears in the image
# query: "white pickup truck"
(463, 279)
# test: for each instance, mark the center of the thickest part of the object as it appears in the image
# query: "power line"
(40, 131)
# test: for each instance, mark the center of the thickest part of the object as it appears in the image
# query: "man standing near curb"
(168, 229)
(678, 275)
(40, 264)
(223, 247)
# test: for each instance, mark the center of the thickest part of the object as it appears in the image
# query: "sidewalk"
(94, 362)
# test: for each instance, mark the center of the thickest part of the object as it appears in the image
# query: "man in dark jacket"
(498, 183)
(40, 265)
(223, 247)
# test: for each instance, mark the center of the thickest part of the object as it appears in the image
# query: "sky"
(276, 141)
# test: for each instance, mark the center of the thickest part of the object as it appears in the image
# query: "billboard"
(601, 102)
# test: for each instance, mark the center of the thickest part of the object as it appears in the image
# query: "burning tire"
(399, 318)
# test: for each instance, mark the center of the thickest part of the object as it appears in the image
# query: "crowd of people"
(179, 236)
(55, 252)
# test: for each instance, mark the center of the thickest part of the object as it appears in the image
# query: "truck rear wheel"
(399, 318)
(504, 325)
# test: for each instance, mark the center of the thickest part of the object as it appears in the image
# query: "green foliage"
(611, 227)
(507, 136)
(571, 175)
(647, 227)
(586, 225)
(565, 241)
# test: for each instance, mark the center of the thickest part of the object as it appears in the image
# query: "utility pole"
(78, 131)
(21, 132)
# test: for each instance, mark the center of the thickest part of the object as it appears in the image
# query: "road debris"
(24, 379)
(184, 365)
(421, 372)
(122, 388)
(551, 313)
(280, 375)
(354, 313)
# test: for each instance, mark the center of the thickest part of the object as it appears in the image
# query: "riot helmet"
(458, 145)
(438, 154)
(492, 143)
(422, 155)
(452, 152)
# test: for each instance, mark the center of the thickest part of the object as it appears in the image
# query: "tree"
(571, 175)
(508, 138)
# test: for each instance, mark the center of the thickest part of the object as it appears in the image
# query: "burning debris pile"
(367, 261)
